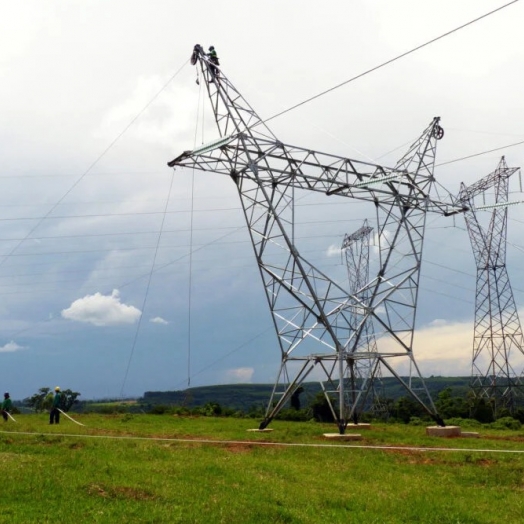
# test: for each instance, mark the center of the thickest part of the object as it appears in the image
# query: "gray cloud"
(82, 202)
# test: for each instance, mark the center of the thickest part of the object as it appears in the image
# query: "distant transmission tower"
(313, 314)
(498, 339)
(366, 371)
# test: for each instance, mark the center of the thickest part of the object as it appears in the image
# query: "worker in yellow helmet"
(54, 415)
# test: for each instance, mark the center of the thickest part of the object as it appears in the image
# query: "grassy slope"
(57, 478)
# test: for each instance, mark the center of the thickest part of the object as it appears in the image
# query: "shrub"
(506, 423)
(180, 411)
(159, 409)
(210, 409)
(296, 415)
(458, 421)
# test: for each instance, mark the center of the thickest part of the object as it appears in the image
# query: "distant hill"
(245, 396)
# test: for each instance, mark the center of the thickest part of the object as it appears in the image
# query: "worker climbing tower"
(313, 315)
(498, 344)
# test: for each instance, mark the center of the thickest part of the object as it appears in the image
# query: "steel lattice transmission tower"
(355, 247)
(498, 339)
(313, 314)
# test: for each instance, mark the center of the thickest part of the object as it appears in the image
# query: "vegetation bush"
(256, 411)
(296, 415)
(181, 411)
(406, 408)
(452, 406)
(160, 409)
(458, 421)
(506, 423)
(417, 421)
(519, 415)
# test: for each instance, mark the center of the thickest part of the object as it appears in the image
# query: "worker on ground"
(54, 415)
(7, 406)
(213, 58)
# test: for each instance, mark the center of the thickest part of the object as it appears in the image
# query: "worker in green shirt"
(54, 415)
(7, 406)
(213, 58)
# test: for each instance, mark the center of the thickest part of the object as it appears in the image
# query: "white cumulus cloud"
(333, 251)
(10, 347)
(240, 374)
(102, 310)
(159, 320)
(442, 348)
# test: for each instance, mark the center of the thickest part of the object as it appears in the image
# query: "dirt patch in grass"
(486, 462)
(124, 492)
(102, 432)
(133, 493)
(239, 447)
(508, 438)
(415, 457)
(421, 457)
(177, 436)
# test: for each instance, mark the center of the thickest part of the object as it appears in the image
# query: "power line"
(389, 61)
(480, 153)
(138, 213)
(148, 287)
(104, 152)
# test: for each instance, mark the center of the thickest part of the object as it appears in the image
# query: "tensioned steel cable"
(223, 357)
(191, 218)
(388, 62)
(104, 152)
(480, 153)
(150, 277)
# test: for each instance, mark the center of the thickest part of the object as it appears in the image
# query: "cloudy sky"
(118, 275)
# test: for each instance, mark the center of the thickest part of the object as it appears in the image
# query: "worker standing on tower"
(213, 58)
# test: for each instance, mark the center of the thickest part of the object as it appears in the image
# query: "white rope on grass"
(71, 418)
(274, 444)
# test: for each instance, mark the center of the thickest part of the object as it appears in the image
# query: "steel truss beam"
(314, 316)
(498, 338)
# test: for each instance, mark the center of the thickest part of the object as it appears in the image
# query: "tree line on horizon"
(451, 395)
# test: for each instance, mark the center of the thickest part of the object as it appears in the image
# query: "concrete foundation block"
(359, 427)
(448, 431)
(346, 436)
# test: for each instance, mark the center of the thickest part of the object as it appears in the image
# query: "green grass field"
(118, 469)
